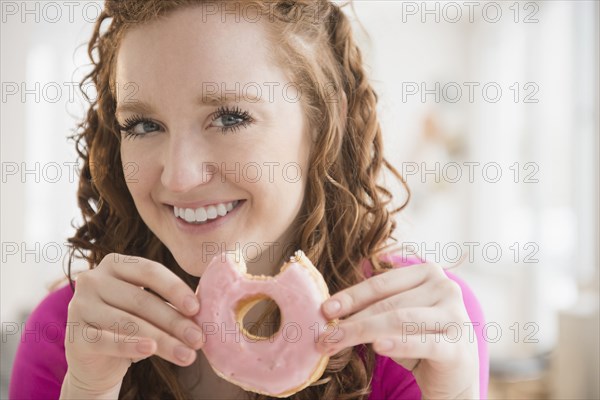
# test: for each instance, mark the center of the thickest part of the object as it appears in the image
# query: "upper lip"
(198, 204)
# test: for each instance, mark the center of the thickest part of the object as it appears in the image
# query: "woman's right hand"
(112, 320)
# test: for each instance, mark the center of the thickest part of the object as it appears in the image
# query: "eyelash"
(133, 121)
(236, 111)
(130, 123)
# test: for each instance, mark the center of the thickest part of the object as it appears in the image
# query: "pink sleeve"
(40, 364)
(392, 381)
(478, 319)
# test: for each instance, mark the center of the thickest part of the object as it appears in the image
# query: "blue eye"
(232, 119)
(138, 126)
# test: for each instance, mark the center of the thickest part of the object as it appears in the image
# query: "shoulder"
(55, 303)
(40, 364)
(51, 310)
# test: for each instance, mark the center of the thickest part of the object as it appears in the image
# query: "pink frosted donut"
(282, 364)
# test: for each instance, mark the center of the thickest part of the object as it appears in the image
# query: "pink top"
(40, 364)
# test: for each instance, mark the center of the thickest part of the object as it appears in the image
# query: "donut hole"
(259, 317)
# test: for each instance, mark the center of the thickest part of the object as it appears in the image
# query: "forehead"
(188, 49)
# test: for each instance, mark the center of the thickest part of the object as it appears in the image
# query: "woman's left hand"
(414, 315)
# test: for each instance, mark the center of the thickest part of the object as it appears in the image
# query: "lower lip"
(209, 226)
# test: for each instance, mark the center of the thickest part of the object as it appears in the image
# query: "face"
(214, 141)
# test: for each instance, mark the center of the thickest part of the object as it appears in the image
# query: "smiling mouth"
(204, 215)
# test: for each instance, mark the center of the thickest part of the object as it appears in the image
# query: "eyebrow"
(223, 98)
(207, 99)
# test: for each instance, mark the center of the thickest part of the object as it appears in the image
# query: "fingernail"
(191, 303)
(332, 307)
(328, 340)
(324, 347)
(336, 336)
(384, 345)
(183, 353)
(192, 335)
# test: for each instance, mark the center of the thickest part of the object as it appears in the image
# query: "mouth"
(205, 215)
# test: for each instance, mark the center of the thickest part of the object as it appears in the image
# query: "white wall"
(39, 61)
(37, 207)
(551, 219)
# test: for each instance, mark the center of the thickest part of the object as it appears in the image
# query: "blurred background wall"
(489, 110)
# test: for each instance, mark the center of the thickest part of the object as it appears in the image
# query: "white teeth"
(202, 214)
(190, 215)
(211, 212)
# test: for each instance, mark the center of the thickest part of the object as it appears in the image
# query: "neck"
(268, 260)
(201, 382)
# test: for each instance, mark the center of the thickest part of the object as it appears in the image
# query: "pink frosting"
(274, 366)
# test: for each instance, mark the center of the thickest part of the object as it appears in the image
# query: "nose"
(186, 164)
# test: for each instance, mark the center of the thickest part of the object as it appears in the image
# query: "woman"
(245, 126)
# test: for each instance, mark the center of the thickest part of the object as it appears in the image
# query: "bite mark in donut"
(278, 365)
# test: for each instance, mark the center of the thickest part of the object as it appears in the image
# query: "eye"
(232, 119)
(138, 126)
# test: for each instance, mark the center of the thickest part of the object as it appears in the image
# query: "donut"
(283, 363)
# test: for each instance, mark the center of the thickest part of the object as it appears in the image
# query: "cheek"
(138, 170)
(291, 191)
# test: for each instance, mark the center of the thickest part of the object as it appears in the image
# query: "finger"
(116, 345)
(149, 307)
(119, 322)
(400, 322)
(404, 350)
(421, 296)
(377, 288)
(147, 273)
